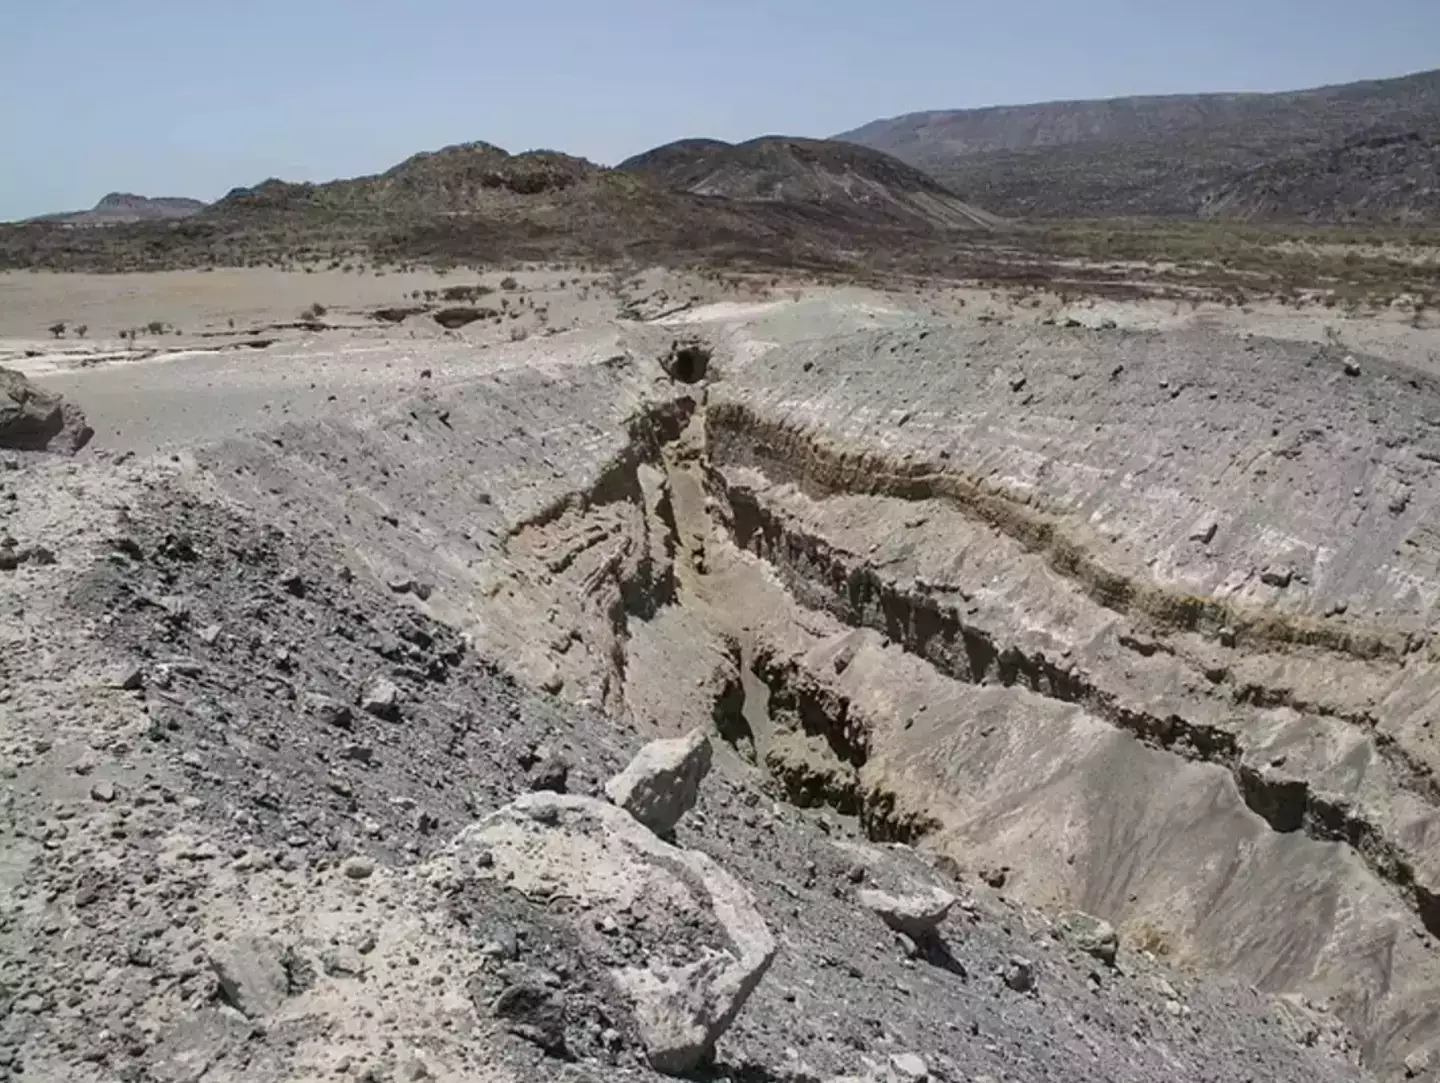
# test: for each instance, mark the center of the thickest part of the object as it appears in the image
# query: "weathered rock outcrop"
(33, 419)
(661, 782)
(546, 844)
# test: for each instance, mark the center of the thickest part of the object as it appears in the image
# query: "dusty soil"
(1105, 619)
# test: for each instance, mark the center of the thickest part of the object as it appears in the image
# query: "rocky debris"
(1417, 1064)
(33, 419)
(916, 915)
(612, 865)
(534, 1013)
(1091, 935)
(661, 783)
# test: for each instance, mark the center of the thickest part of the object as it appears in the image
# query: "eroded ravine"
(1242, 834)
(891, 649)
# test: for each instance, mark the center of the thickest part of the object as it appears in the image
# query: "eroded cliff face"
(1135, 624)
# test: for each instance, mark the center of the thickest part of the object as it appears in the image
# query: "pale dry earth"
(1129, 620)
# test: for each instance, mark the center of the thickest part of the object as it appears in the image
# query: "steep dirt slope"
(1141, 156)
(846, 178)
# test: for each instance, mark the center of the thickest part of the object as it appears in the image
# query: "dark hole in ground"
(688, 362)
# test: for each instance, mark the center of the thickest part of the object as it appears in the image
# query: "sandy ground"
(236, 354)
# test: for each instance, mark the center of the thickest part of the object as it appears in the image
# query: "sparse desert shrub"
(315, 311)
(156, 327)
(58, 328)
(509, 283)
(518, 334)
(82, 330)
(464, 293)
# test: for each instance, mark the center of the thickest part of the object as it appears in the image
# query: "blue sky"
(193, 98)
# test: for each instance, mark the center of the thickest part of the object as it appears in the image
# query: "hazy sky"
(165, 97)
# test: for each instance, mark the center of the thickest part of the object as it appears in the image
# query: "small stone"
(909, 1066)
(329, 711)
(1091, 935)
(1276, 576)
(533, 1012)
(1019, 974)
(126, 678)
(1352, 367)
(381, 699)
(358, 868)
(293, 584)
(551, 773)
(1417, 1063)
(103, 791)
(210, 634)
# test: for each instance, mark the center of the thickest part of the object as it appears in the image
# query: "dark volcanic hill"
(772, 203)
(842, 177)
(120, 207)
(1165, 156)
(1389, 178)
(455, 180)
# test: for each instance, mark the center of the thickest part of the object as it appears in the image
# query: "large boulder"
(663, 780)
(703, 944)
(32, 419)
(916, 915)
(1094, 936)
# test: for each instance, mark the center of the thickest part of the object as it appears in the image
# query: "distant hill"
(1391, 178)
(121, 207)
(773, 203)
(1171, 156)
(459, 179)
(841, 177)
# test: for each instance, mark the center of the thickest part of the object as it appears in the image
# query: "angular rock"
(909, 1066)
(1091, 935)
(1019, 974)
(552, 773)
(327, 710)
(915, 915)
(252, 975)
(33, 419)
(612, 866)
(663, 780)
(534, 1013)
(381, 698)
